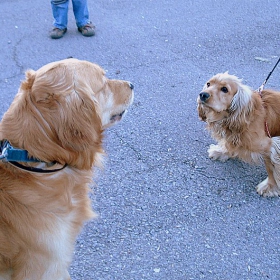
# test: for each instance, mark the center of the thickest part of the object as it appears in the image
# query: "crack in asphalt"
(15, 58)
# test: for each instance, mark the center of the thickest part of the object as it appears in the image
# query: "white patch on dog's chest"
(57, 240)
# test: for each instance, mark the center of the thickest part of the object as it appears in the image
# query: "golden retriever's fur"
(237, 118)
(58, 115)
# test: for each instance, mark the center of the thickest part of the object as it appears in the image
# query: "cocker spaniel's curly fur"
(58, 115)
(242, 121)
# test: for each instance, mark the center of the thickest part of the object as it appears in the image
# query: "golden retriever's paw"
(216, 152)
(267, 190)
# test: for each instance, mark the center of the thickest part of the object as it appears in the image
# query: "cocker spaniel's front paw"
(267, 190)
(217, 152)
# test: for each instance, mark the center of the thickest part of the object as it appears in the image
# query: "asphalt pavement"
(166, 211)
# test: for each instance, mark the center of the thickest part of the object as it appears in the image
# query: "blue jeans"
(60, 12)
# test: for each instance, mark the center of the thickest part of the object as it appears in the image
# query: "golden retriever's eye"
(208, 84)
(224, 89)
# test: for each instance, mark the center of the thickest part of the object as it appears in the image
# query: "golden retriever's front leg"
(271, 185)
(218, 152)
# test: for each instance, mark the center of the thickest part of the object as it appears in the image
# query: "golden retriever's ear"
(51, 85)
(74, 122)
(29, 80)
(45, 97)
(81, 123)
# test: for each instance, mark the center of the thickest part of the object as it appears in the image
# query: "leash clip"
(260, 89)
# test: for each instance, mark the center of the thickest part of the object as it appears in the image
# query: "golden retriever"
(58, 117)
(243, 121)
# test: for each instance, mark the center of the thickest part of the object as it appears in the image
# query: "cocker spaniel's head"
(61, 110)
(222, 94)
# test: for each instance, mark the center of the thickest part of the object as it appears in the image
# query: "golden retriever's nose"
(204, 96)
(131, 85)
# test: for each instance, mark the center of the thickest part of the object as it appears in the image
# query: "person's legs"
(60, 13)
(81, 13)
(80, 9)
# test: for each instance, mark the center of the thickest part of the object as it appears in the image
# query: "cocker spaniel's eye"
(224, 89)
(208, 84)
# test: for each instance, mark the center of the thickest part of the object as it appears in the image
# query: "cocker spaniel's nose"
(131, 85)
(204, 96)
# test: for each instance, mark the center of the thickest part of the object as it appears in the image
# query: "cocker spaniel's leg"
(271, 185)
(218, 152)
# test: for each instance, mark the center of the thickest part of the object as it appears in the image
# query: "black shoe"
(57, 33)
(87, 30)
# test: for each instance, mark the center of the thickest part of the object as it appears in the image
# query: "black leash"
(260, 89)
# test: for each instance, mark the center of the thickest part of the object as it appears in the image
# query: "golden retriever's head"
(114, 98)
(61, 110)
(221, 94)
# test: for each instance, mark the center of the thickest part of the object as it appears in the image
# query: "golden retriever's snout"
(204, 96)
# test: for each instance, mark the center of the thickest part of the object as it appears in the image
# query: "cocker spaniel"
(246, 125)
(56, 119)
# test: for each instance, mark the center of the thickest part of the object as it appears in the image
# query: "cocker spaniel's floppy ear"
(242, 99)
(240, 108)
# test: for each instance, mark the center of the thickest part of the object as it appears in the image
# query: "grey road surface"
(166, 211)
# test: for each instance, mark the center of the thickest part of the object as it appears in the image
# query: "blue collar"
(13, 155)
(9, 153)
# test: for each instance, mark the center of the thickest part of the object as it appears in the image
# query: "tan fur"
(236, 119)
(59, 114)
